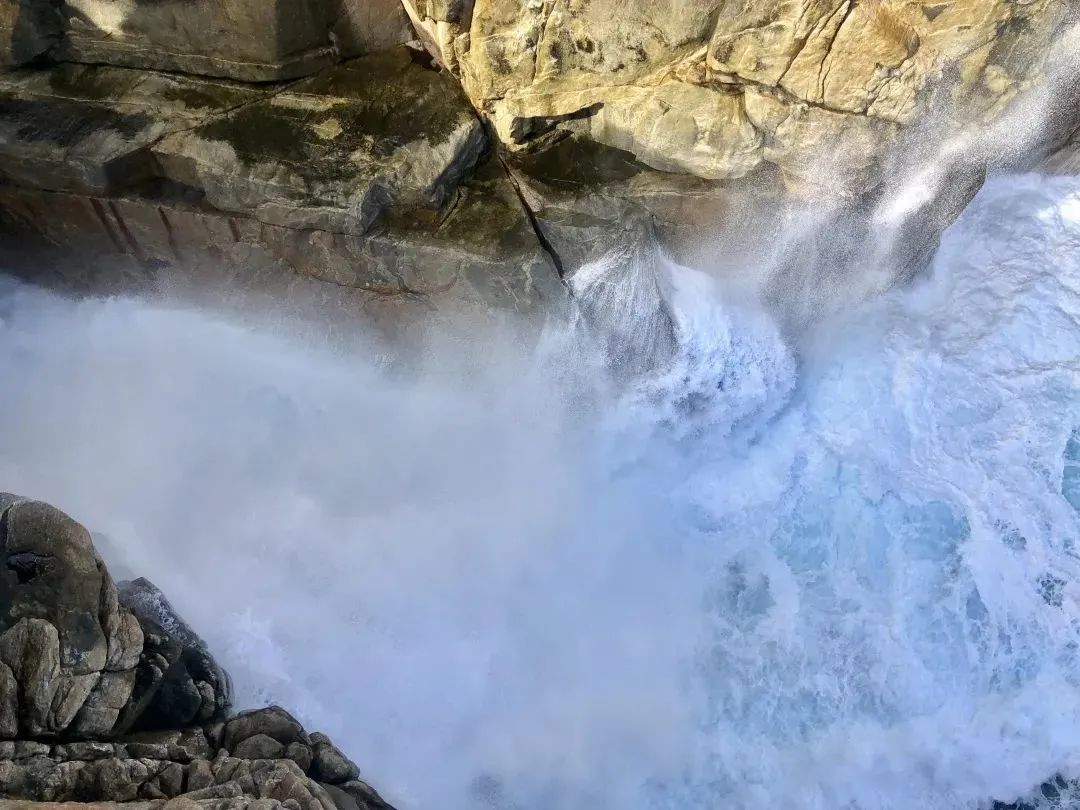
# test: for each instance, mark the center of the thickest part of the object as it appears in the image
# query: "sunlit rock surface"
(716, 88)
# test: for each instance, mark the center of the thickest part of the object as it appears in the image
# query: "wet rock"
(716, 89)
(364, 795)
(329, 764)
(589, 200)
(334, 151)
(89, 129)
(186, 686)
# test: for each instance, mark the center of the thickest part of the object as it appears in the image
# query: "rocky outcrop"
(78, 657)
(819, 89)
(363, 189)
(107, 695)
(334, 151)
(303, 152)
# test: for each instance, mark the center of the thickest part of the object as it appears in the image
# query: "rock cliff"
(405, 161)
(107, 695)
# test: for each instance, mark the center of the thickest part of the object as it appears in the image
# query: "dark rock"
(329, 764)
(590, 200)
(28, 28)
(26, 749)
(334, 151)
(170, 779)
(300, 754)
(89, 129)
(86, 751)
(341, 799)
(259, 746)
(365, 795)
(193, 688)
(273, 722)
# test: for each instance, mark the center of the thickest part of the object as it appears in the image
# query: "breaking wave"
(834, 572)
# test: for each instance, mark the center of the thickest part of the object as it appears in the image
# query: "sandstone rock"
(715, 88)
(28, 28)
(249, 40)
(89, 129)
(334, 151)
(193, 688)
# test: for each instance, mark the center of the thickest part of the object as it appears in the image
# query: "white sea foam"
(842, 574)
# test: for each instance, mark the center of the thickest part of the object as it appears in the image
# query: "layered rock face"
(107, 695)
(318, 154)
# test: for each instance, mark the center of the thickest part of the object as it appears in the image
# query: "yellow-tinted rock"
(717, 87)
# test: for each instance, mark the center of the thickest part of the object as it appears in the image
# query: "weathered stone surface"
(251, 40)
(589, 200)
(273, 723)
(259, 746)
(364, 795)
(183, 745)
(369, 26)
(193, 689)
(329, 764)
(86, 751)
(418, 266)
(89, 129)
(18, 804)
(334, 151)
(61, 612)
(67, 647)
(28, 28)
(717, 88)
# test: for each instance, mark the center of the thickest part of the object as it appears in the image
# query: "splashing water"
(842, 574)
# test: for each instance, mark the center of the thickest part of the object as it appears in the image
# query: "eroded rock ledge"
(401, 162)
(107, 695)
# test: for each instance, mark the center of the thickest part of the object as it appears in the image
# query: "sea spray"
(837, 572)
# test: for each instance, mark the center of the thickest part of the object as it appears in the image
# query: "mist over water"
(837, 572)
